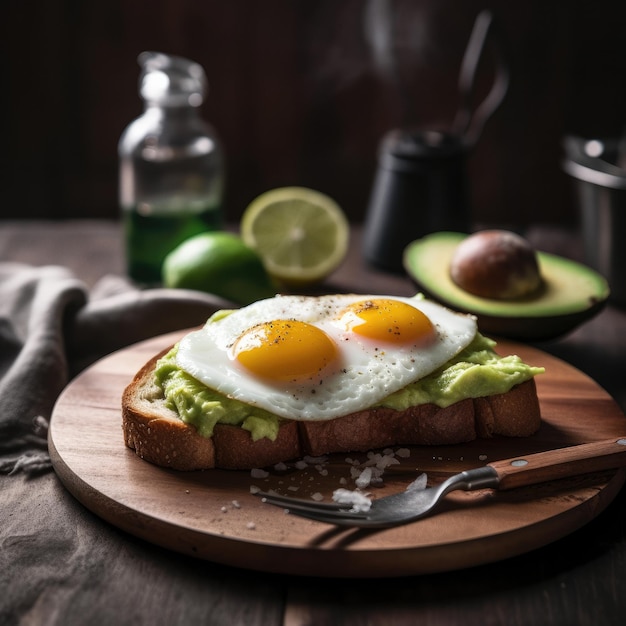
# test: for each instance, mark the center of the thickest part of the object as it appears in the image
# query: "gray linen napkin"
(52, 327)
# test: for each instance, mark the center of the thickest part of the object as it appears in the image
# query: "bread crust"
(157, 434)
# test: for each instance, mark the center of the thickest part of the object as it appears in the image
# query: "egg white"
(367, 371)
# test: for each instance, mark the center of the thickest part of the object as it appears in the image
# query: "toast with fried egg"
(159, 432)
(159, 436)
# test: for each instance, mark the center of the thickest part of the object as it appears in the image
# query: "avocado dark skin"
(568, 295)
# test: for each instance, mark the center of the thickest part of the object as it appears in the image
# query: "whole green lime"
(219, 263)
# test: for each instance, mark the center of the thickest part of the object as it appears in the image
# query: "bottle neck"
(172, 111)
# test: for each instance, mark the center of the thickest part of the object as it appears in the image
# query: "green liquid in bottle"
(151, 236)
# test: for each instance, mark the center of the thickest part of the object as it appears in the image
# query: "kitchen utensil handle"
(561, 462)
(470, 124)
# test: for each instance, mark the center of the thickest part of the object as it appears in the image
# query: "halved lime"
(302, 235)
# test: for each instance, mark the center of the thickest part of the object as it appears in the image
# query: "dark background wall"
(302, 91)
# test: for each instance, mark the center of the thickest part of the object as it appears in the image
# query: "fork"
(414, 503)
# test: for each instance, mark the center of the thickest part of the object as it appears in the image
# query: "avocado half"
(571, 294)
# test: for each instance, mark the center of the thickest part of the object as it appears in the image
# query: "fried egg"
(318, 358)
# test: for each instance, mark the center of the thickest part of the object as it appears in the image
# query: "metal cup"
(601, 193)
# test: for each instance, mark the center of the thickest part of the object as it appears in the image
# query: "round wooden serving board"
(213, 515)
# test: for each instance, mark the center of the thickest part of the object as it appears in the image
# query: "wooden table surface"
(579, 579)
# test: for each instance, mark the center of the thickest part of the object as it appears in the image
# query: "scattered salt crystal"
(372, 459)
(250, 525)
(223, 509)
(387, 460)
(418, 484)
(369, 472)
(359, 501)
(483, 457)
(365, 478)
(317, 496)
(293, 488)
(236, 504)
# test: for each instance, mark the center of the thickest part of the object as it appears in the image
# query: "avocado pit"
(496, 264)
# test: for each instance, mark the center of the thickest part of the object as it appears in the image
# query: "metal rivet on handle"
(519, 462)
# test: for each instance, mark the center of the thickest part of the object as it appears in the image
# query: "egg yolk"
(387, 320)
(285, 350)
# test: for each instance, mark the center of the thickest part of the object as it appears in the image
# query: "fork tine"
(288, 501)
(313, 510)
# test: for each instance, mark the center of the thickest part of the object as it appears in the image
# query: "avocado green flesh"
(571, 295)
(476, 371)
(203, 408)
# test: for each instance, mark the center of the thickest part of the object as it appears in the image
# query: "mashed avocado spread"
(475, 372)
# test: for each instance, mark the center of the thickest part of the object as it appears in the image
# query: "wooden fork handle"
(561, 462)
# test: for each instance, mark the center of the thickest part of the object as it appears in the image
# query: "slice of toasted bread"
(157, 434)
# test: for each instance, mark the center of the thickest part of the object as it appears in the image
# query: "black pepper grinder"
(421, 182)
